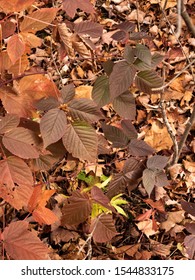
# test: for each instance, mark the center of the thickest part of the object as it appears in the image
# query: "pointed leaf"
(117, 185)
(36, 206)
(124, 105)
(129, 54)
(68, 93)
(148, 180)
(102, 228)
(139, 148)
(21, 142)
(156, 59)
(115, 135)
(38, 20)
(15, 48)
(133, 169)
(189, 243)
(143, 53)
(108, 66)
(84, 109)
(129, 129)
(146, 80)
(77, 210)
(47, 103)
(8, 122)
(100, 92)
(15, 181)
(99, 197)
(80, 139)
(53, 125)
(70, 6)
(157, 162)
(91, 28)
(161, 178)
(21, 244)
(121, 78)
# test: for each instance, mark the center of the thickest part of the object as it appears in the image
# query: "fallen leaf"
(172, 219)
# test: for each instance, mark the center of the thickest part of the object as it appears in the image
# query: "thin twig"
(178, 74)
(179, 20)
(184, 137)
(165, 119)
(187, 19)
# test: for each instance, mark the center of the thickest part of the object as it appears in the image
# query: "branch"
(184, 137)
(187, 19)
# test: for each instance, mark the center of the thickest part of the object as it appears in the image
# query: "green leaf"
(80, 139)
(100, 92)
(146, 80)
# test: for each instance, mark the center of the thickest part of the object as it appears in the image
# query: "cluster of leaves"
(42, 123)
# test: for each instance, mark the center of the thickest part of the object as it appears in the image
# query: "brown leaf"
(70, 6)
(15, 47)
(15, 5)
(77, 209)
(172, 219)
(158, 248)
(21, 244)
(102, 228)
(158, 137)
(15, 182)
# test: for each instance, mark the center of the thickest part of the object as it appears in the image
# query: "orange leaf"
(15, 48)
(14, 5)
(37, 203)
(38, 20)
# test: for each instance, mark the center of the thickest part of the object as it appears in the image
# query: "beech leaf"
(8, 122)
(21, 244)
(77, 209)
(38, 20)
(100, 92)
(115, 135)
(139, 148)
(157, 162)
(91, 28)
(121, 78)
(148, 79)
(53, 125)
(102, 228)
(15, 47)
(80, 139)
(84, 109)
(15, 181)
(70, 6)
(124, 105)
(21, 142)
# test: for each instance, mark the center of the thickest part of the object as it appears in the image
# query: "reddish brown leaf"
(139, 148)
(15, 47)
(121, 78)
(99, 197)
(80, 139)
(21, 142)
(102, 228)
(8, 122)
(189, 243)
(124, 105)
(53, 125)
(15, 181)
(149, 180)
(77, 209)
(36, 206)
(129, 129)
(189, 207)
(70, 6)
(157, 162)
(21, 244)
(91, 28)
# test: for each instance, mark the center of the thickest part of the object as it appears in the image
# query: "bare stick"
(187, 19)
(184, 137)
(179, 21)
